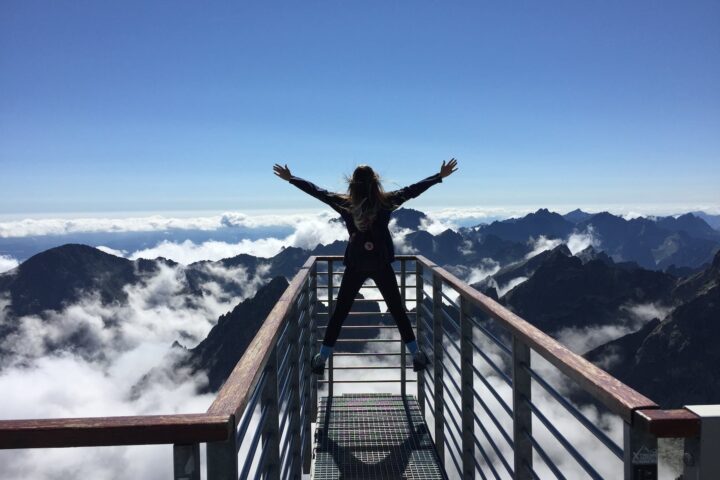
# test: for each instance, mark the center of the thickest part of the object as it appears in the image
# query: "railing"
(486, 396)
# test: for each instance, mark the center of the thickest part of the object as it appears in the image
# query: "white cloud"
(505, 288)
(153, 223)
(576, 242)
(487, 267)
(579, 241)
(435, 225)
(541, 244)
(308, 234)
(631, 318)
(399, 238)
(157, 309)
(187, 252)
(7, 263)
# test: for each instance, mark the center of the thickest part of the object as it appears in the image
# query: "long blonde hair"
(365, 196)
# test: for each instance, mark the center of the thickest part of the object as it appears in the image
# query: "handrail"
(614, 394)
(107, 431)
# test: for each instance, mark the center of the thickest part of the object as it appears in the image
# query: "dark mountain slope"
(524, 268)
(59, 276)
(227, 340)
(690, 224)
(678, 363)
(577, 216)
(563, 292)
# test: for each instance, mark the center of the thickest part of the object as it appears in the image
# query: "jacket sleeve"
(332, 199)
(398, 197)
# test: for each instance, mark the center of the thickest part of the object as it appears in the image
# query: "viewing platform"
(500, 400)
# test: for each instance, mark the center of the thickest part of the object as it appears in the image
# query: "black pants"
(350, 285)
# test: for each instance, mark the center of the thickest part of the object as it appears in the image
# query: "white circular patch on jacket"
(369, 246)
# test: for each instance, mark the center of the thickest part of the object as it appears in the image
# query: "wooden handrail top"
(237, 389)
(680, 423)
(614, 394)
(108, 431)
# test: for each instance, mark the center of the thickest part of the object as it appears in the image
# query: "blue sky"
(178, 105)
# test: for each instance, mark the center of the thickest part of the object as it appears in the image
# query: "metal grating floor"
(373, 436)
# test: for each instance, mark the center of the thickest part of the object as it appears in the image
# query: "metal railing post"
(701, 461)
(222, 457)
(403, 359)
(522, 415)
(294, 390)
(186, 462)
(640, 454)
(331, 305)
(309, 386)
(312, 347)
(418, 324)
(438, 369)
(271, 428)
(468, 402)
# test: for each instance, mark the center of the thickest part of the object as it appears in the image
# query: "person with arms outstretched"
(366, 208)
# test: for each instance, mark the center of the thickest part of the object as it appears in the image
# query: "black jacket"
(378, 231)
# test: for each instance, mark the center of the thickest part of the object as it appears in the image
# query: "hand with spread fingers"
(282, 172)
(448, 168)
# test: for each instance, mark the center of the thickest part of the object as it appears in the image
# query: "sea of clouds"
(109, 348)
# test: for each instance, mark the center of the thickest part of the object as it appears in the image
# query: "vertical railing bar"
(271, 428)
(522, 415)
(466, 382)
(438, 370)
(403, 359)
(641, 454)
(186, 462)
(294, 401)
(331, 309)
(222, 457)
(311, 346)
(307, 376)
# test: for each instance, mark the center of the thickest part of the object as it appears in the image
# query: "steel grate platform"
(373, 436)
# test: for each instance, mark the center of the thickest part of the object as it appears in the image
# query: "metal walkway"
(373, 436)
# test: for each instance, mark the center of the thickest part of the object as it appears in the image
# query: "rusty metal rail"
(479, 396)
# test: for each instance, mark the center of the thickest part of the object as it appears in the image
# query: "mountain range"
(668, 261)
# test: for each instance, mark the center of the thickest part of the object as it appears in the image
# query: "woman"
(366, 210)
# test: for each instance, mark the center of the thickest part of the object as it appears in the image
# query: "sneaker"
(420, 361)
(317, 365)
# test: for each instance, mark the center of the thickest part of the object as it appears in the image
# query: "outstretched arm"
(310, 188)
(404, 194)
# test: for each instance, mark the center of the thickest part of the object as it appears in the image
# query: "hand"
(282, 172)
(447, 169)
